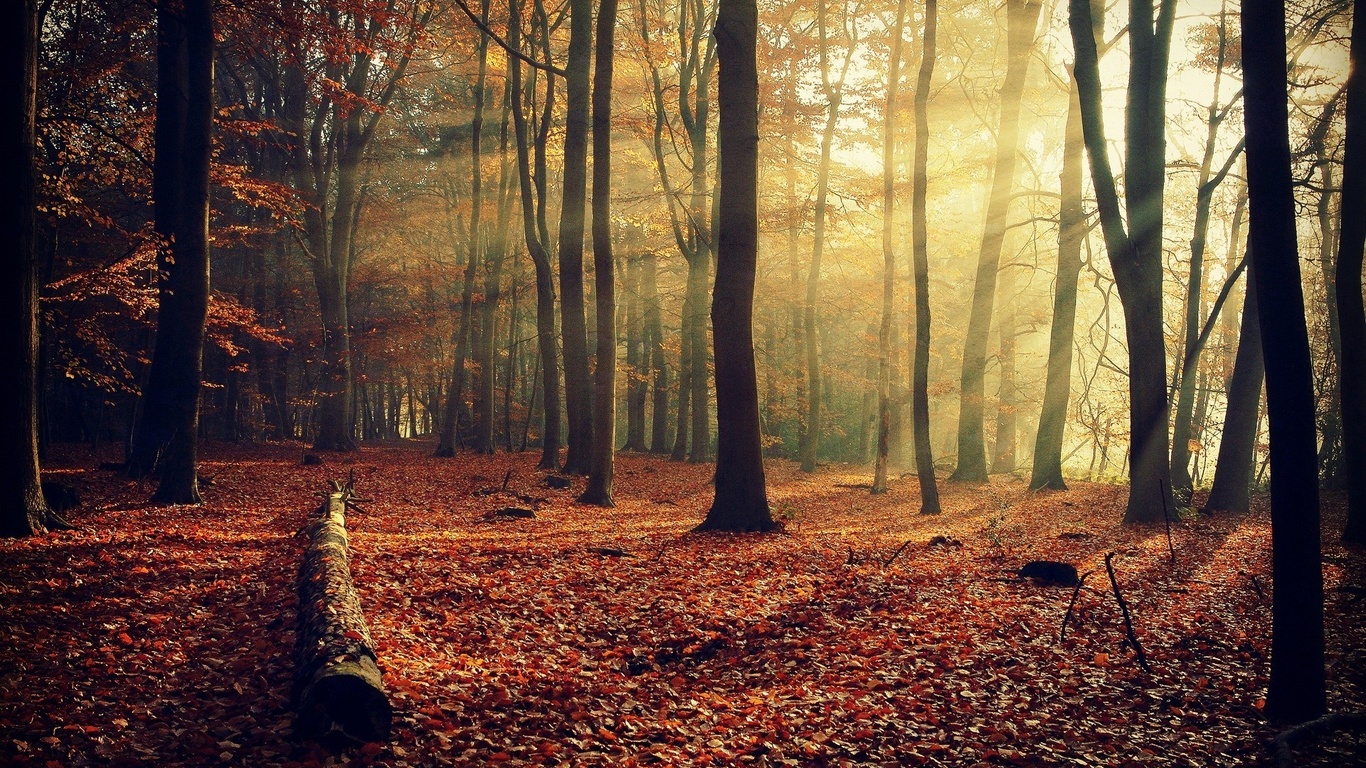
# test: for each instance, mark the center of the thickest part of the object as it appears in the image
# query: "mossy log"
(337, 686)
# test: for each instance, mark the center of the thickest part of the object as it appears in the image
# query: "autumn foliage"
(587, 636)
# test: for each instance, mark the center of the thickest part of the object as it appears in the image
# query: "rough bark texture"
(1352, 316)
(599, 490)
(578, 388)
(920, 398)
(1297, 689)
(1047, 470)
(337, 682)
(1233, 468)
(741, 502)
(1023, 17)
(23, 512)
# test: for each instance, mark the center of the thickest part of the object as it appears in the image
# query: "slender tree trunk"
(573, 325)
(534, 234)
(1007, 397)
(741, 502)
(654, 334)
(494, 258)
(920, 398)
(1022, 18)
(1136, 252)
(884, 337)
(599, 490)
(24, 512)
(1233, 468)
(1351, 316)
(636, 357)
(1297, 688)
(1047, 470)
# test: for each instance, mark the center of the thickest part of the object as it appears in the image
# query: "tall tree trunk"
(920, 377)
(884, 337)
(1351, 316)
(599, 490)
(637, 357)
(24, 512)
(167, 438)
(1047, 470)
(1297, 688)
(534, 232)
(573, 325)
(1233, 468)
(741, 502)
(654, 334)
(494, 258)
(1137, 259)
(1007, 397)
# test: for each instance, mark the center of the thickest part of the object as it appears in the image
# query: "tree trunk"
(1136, 260)
(884, 337)
(536, 245)
(1007, 397)
(1047, 470)
(1022, 18)
(654, 334)
(1351, 316)
(920, 377)
(494, 259)
(573, 325)
(636, 358)
(24, 512)
(599, 490)
(1297, 688)
(1233, 468)
(741, 502)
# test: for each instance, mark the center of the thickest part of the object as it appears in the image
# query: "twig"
(1282, 744)
(1257, 586)
(660, 555)
(1124, 610)
(1062, 634)
(896, 554)
(506, 479)
(1166, 518)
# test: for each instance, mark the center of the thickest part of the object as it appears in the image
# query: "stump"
(337, 686)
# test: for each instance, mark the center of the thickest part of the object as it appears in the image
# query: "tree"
(1351, 315)
(1135, 252)
(24, 512)
(166, 437)
(1297, 688)
(537, 235)
(578, 390)
(1047, 469)
(884, 375)
(920, 397)
(1022, 18)
(599, 490)
(1233, 468)
(741, 501)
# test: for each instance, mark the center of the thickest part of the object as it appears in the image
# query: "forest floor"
(163, 636)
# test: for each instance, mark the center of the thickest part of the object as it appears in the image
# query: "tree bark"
(1022, 18)
(920, 398)
(1297, 688)
(573, 325)
(1351, 315)
(599, 490)
(1047, 469)
(1233, 468)
(741, 502)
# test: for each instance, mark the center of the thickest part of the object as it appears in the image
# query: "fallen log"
(337, 686)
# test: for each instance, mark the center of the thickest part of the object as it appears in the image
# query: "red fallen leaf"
(352, 634)
(125, 639)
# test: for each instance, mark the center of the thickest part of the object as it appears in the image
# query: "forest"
(684, 382)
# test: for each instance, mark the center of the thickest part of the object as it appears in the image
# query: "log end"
(346, 696)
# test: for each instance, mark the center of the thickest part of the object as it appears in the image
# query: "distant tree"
(884, 338)
(166, 437)
(1135, 251)
(1351, 243)
(23, 511)
(599, 490)
(1297, 688)
(578, 388)
(1022, 17)
(741, 502)
(920, 376)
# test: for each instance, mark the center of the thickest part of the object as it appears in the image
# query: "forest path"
(163, 635)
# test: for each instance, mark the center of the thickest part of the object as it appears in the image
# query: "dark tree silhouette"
(578, 388)
(23, 512)
(1296, 692)
(1352, 316)
(741, 502)
(166, 438)
(1233, 468)
(920, 257)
